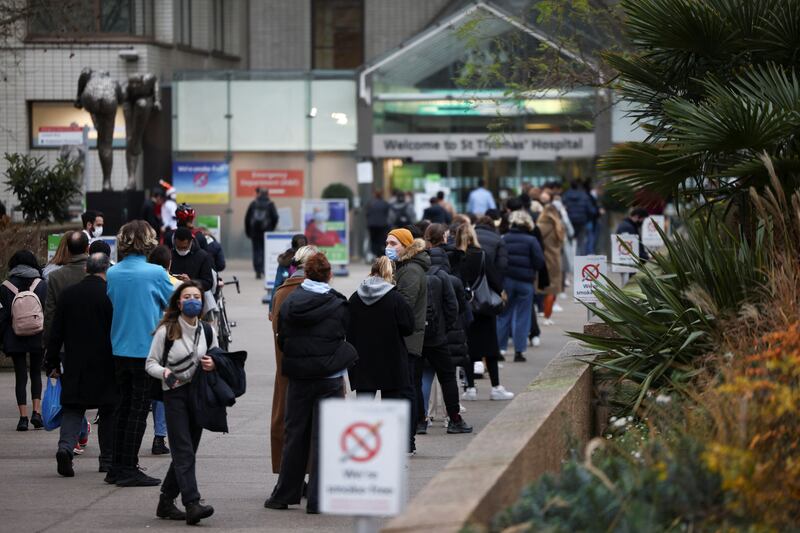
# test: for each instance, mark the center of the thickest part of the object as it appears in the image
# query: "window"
(91, 17)
(337, 34)
(185, 22)
(218, 26)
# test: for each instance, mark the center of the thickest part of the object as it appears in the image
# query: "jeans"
(130, 418)
(73, 424)
(258, 253)
(427, 384)
(515, 320)
(591, 238)
(581, 233)
(302, 439)
(184, 438)
(159, 419)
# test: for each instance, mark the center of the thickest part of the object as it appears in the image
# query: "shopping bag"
(51, 404)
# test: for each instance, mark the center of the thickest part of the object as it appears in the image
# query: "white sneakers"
(500, 393)
(536, 341)
(478, 368)
(548, 322)
(557, 308)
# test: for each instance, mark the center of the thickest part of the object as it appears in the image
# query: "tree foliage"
(43, 192)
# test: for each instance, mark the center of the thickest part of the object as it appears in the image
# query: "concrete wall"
(280, 34)
(529, 437)
(388, 24)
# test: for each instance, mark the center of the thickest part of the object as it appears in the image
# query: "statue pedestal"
(118, 207)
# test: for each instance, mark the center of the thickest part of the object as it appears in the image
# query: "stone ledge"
(526, 439)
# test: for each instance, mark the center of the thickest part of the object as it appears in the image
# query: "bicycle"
(225, 338)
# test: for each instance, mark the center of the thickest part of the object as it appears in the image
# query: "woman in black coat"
(482, 332)
(379, 319)
(312, 324)
(23, 273)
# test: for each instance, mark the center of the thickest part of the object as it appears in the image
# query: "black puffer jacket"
(442, 300)
(456, 335)
(311, 334)
(495, 247)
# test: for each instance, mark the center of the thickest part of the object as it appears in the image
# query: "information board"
(326, 225)
(275, 243)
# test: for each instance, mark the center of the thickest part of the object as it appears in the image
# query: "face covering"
(97, 232)
(183, 252)
(391, 253)
(192, 308)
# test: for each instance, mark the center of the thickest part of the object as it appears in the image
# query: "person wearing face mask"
(189, 262)
(179, 350)
(92, 224)
(411, 265)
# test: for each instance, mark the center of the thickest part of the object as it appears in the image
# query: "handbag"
(484, 301)
(156, 390)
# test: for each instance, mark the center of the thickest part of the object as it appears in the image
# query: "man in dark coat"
(82, 325)
(66, 276)
(436, 213)
(377, 223)
(189, 262)
(632, 225)
(261, 216)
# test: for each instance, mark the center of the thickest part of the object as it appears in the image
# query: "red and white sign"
(650, 235)
(362, 457)
(624, 249)
(588, 271)
(280, 183)
(60, 135)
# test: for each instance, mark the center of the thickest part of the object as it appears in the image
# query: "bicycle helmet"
(185, 213)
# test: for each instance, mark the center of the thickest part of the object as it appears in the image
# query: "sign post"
(362, 459)
(588, 270)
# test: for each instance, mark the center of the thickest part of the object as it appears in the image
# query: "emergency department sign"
(588, 271)
(363, 457)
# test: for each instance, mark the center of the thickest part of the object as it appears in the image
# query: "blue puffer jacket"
(579, 206)
(525, 256)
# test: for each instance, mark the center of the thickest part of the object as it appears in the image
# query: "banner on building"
(522, 146)
(280, 183)
(326, 225)
(201, 182)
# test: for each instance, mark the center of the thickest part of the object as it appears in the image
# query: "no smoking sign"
(588, 270)
(361, 442)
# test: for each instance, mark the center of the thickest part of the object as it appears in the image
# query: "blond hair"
(136, 238)
(466, 237)
(304, 253)
(520, 219)
(382, 267)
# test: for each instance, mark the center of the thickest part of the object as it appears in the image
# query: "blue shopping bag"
(51, 405)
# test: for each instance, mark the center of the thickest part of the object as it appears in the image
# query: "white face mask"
(97, 232)
(183, 252)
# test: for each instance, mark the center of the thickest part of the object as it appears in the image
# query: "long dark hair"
(173, 311)
(24, 257)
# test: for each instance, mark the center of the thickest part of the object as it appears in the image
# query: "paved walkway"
(233, 470)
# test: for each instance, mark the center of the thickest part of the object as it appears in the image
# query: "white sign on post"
(624, 250)
(364, 172)
(650, 236)
(362, 457)
(587, 272)
(275, 243)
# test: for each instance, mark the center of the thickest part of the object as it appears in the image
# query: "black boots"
(159, 446)
(196, 511)
(36, 420)
(64, 462)
(519, 358)
(168, 510)
(22, 425)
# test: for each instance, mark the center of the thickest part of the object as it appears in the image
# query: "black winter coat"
(456, 335)
(196, 264)
(525, 256)
(378, 213)
(496, 252)
(311, 334)
(377, 331)
(214, 391)
(9, 341)
(443, 298)
(579, 206)
(82, 326)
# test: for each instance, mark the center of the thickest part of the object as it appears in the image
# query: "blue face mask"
(391, 253)
(192, 308)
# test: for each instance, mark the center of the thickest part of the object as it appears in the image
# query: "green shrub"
(44, 193)
(338, 190)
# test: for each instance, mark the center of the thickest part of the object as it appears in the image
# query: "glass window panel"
(269, 115)
(334, 127)
(200, 122)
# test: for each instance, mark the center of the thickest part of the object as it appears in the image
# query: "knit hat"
(402, 235)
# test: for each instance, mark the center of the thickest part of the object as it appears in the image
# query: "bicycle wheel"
(224, 337)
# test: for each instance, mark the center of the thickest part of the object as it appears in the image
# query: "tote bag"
(484, 300)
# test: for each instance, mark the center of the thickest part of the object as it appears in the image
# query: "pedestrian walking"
(377, 222)
(22, 297)
(525, 259)
(482, 332)
(61, 256)
(178, 351)
(480, 200)
(292, 283)
(138, 291)
(435, 213)
(261, 216)
(451, 210)
(82, 327)
(553, 233)
(379, 320)
(73, 271)
(582, 211)
(312, 325)
(401, 211)
(189, 262)
(411, 265)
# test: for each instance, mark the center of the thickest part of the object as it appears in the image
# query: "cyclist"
(185, 215)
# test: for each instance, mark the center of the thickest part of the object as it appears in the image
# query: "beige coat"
(552, 229)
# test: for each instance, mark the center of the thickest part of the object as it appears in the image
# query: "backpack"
(432, 317)
(261, 218)
(27, 317)
(400, 215)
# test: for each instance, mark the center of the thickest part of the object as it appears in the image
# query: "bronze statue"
(100, 95)
(140, 96)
